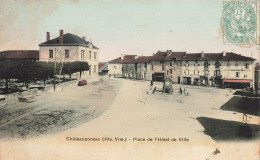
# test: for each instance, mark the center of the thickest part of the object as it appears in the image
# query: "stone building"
(227, 68)
(174, 66)
(115, 67)
(68, 48)
(19, 55)
(129, 68)
(143, 68)
(158, 64)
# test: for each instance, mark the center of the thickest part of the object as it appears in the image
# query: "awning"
(237, 80)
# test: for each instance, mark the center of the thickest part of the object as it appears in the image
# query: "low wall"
(13, 98)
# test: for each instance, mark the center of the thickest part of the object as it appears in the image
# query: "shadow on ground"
(222, 130)
(243, 105)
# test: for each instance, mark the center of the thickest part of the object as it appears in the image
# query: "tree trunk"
(44, 81)
(6, 85)
(80, 73)
(63, 77)
(70, 77)
(27, 84)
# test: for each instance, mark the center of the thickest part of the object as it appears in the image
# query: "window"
(82, 54)
(247, 65)
(95, 68)
(217, 73)
(51, 53)
(174, 68)
(187, 64)
(206, 64)
(145, 67)
(186, 72)
(196, 72)
(89, 54)
(237, 74)
(236, 64)
(95, 55)
(170, 71)
(245, 76)
(217, 64)
(163, 67)
(67, 53)
(228, 64)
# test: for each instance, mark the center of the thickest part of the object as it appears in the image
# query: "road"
(134, 114)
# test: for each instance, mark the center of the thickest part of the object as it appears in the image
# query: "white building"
(68, 48)
(115, 67)
(232, 69)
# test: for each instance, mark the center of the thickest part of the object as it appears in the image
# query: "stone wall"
(13, 98)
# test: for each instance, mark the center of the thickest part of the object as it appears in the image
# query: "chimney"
(122, 56)
(202, 54)
(224, 54)
(61, 36)
(47, 36)
(169, 52)
(84, 38)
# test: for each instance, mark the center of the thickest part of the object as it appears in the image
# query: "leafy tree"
(82, 66)
(45, 70)
(7, 72)
(27, 71)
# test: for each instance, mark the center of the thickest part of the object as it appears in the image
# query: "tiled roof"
(175, 55)
(162, 56)
(117, 60)
(103, 68)
(143, 59)
(128, 59)
(159, 56)
(216, 56)
(68, 39)
(129, 56)
(20, 54)
(100, 65)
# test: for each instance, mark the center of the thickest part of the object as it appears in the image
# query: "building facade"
(143, 68)
(115, 67)
(224, 69)
(68, 48)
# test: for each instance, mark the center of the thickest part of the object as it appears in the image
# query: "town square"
(132, 84)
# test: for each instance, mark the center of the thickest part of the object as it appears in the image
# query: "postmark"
(239, 22)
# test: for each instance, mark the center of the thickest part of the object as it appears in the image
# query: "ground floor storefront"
(237, 83)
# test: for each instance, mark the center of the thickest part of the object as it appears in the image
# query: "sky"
(136, 27)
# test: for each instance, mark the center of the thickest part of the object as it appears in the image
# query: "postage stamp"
(239, 22)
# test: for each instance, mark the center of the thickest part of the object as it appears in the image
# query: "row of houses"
(63, 48)
(226, 68)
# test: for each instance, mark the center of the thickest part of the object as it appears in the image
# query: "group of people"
(184, 92)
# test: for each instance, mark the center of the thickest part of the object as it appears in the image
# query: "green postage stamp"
(240, 22)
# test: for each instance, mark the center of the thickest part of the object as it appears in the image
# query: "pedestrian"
(180, 90)
(151, 83)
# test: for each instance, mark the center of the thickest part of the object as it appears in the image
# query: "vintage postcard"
(129, 79)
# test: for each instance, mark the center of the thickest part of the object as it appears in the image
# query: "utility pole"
(54, 78)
